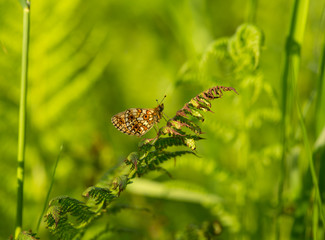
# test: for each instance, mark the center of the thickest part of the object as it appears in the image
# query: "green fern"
(68, 218)
(61, 227)
(226, 58)
(100, 195)
(24, 235)
(64, 205)
(163, 143)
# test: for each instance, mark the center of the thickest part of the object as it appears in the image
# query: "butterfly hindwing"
(137, 121)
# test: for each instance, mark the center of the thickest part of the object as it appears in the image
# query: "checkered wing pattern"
(137, 121)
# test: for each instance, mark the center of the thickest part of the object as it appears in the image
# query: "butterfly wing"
(134, 121)
(118, 120)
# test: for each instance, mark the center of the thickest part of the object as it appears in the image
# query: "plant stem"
(22, 121)
(289, 79)
(315, 160)
(251, 11)
(320, 90)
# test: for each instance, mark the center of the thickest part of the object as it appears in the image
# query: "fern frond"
(163, 143)
(112, 173)
(198, 104)
(216, 50)
(175, 129)
(150, 155)
(67, 205)
(226, 58)
(201, 102)
(244, 46)
(171, 131)
(63, 229)
(190, 110)
(24, 235)
(120, 183)
(52, 216)
(165, 155)
(166, 142)
(100, 195)
(180, 121)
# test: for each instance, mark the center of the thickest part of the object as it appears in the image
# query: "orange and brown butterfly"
(137, 121)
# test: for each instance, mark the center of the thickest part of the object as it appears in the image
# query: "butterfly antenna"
(162, 100)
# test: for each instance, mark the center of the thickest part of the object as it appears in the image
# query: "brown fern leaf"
(176, 126)
(200, 102)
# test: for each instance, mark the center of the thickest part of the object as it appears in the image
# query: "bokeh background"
(92, 59)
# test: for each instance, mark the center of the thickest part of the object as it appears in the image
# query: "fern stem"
(22, 122)
(289, 79)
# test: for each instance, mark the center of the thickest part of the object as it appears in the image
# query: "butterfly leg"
(166, 119)
(156, 137)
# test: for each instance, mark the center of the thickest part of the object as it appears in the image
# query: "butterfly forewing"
(137, 121)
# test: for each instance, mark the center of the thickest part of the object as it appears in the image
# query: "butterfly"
(137, 121)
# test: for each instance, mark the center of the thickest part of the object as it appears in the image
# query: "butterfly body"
(137, 121)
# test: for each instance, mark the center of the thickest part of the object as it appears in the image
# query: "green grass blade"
(50, 189)
(154, 189)
(309, 156)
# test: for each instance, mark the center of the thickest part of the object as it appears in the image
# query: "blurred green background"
(92, 59)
